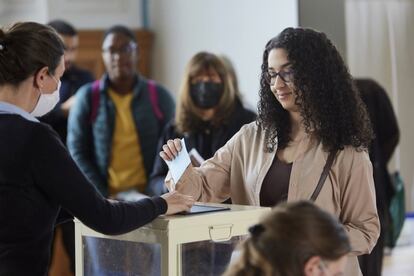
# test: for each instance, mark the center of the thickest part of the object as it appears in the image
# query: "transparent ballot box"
(188, 244)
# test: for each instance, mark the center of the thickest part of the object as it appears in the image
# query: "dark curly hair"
(329, 104)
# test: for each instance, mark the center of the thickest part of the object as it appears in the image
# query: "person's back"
(385, 126)
(25, 209)
(36, 178)
(295, 239)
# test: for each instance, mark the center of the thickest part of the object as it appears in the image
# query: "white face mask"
(46, 102)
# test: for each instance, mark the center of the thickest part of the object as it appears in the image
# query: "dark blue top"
(37, 178)
(72, 80)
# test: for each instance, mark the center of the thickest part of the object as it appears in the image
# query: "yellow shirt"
(126, 166)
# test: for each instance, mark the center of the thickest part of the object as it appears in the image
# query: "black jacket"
(37, 178)
(206, 140)
(385, 126)
(72, 80)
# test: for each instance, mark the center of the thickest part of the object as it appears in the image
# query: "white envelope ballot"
(180, 163)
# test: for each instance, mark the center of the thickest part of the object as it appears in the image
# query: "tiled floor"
(401, 260)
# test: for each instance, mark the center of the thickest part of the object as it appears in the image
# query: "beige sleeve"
(211, 181)
(359, 212)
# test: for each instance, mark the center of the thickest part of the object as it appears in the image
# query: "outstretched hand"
(178, 202)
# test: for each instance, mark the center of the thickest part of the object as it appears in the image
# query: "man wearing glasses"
(115, 123)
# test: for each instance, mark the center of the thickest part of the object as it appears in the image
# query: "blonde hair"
(287, 238)
(187, 116)
(230, 68)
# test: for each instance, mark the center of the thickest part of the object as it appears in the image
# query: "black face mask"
(206, 94)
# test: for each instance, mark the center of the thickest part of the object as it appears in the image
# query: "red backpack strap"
(95, 100)
(154, 100)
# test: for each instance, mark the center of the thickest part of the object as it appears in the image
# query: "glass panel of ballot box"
(190, 244)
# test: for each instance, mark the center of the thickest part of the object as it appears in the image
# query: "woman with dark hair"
(308, 111)
(209, 112)
(37, 175)
(295, 239)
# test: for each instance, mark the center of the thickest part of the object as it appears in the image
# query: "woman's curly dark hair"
(329, 104)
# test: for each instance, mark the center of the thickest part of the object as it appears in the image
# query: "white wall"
(387, 58)
(22, 10)
(83, 14)
(97, 14)
(238, 29)
(327, 16)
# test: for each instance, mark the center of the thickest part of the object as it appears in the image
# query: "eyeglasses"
(286, 76)
(124, 50)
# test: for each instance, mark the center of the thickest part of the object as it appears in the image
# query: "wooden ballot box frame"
(173, 231)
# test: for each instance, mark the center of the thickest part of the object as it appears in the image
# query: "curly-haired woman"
(308, 108)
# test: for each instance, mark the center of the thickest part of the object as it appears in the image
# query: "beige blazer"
(237, 170)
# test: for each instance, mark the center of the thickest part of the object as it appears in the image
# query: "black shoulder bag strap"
(324, 175)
